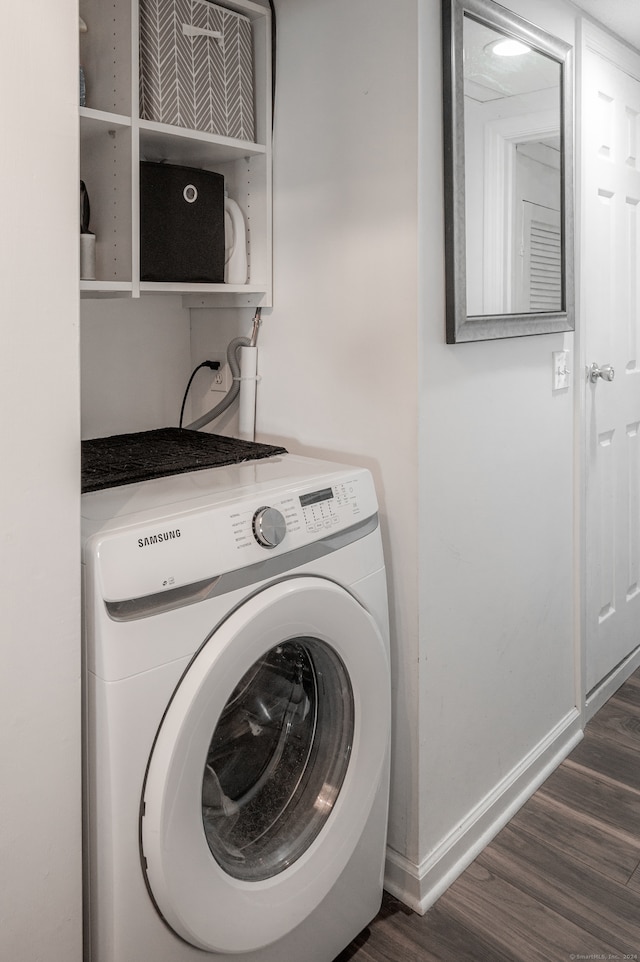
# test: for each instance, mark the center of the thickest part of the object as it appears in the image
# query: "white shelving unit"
(113, 141)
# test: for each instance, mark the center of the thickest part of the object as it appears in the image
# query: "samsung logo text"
(158, 538)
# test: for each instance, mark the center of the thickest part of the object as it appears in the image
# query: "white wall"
(497, 690)
(136, 362)
(40, 828)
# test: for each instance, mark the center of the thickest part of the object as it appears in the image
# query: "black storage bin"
(181, 224)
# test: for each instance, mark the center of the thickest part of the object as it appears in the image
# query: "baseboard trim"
(419, 886)
(608, 686)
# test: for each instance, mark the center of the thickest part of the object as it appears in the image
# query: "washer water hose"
(233, 360)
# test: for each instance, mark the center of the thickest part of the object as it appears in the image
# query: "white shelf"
(91, 119)
(113, 288)
(173, 287)
(113, 141)
(177, 145)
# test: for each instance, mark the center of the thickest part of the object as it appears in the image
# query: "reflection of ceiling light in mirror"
(507, 48)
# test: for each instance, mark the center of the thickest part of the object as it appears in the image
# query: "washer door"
(266, 766)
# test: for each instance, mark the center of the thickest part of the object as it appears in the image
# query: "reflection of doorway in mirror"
(507, 176)
(512, 107)
(537, 252)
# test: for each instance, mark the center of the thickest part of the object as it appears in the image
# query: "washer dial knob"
(269, 527)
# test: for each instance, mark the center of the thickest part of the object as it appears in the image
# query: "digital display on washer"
(315, 496)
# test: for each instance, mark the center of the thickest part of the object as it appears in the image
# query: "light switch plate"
(560, 370)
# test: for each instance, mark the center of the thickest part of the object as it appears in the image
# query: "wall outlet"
(220, 379)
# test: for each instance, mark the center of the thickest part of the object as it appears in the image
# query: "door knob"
(606, 372)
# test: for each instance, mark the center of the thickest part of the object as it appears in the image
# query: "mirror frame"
(460, 327)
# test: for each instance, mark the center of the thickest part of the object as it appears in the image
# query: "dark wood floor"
(561, 881)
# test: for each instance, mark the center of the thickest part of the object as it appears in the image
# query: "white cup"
(87, 257)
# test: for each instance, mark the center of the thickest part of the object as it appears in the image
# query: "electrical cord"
(213, 366)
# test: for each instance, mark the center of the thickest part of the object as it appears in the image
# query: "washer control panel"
(174, 547)
(300, 518)
(324, 509)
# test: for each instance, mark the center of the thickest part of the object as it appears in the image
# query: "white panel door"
(610, 312)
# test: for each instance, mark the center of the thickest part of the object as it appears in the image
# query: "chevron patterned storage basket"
(196, 67)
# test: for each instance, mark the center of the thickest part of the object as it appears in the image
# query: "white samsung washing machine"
(237, 714)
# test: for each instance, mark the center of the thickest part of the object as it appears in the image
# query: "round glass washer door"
(277, 759)
(266, 766)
